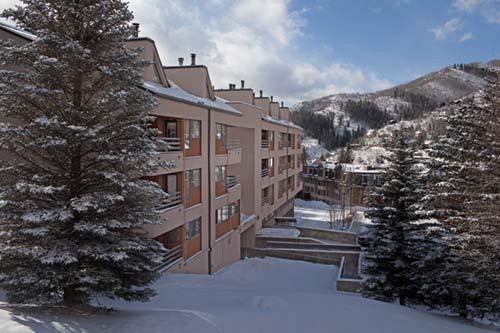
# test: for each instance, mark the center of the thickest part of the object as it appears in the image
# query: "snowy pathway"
(254, 295)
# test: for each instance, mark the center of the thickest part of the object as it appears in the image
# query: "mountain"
(353, 114)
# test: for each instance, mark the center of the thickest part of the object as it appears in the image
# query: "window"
(219, 131)
(192, 180)
(171, 128)
(193, 228)
(222, 215)
(192, 131)
(220, 173)
(364, 180)
(234, 209)
(196, 178)
(171, 183)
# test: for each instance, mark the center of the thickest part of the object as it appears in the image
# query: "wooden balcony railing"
(173, 200)
(170, 144)
(232, 144)
(232, 181)
(171, 256)
(265, 172)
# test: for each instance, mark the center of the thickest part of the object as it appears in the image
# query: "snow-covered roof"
(175, 92)
(352, 168)
(357, 168)
(15, 30)
(281, 122)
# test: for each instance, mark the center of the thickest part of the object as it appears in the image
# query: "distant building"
(335, 183)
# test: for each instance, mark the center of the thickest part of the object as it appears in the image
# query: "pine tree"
(464, 195)
(73, 200)
(388, 246)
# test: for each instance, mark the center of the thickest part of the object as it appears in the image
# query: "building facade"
(232, 161)
(343, 184)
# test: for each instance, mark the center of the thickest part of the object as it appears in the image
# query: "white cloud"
(467, 36)
(254, 40)
(466, 5)
(488, 9)
(449, 27)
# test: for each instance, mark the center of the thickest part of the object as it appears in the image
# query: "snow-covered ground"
(254, 295)
(316, 214)
(313, 149)
(279, 232)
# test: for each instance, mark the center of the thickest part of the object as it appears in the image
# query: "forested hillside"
(339, 119)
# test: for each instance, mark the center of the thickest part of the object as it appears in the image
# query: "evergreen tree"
(72, 198)
(346, 155)
(464, 195)
(388, 245)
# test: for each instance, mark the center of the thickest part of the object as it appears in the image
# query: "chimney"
(230, 86)
(282, 104)
(271, 99)
(181, 61)
(135, 33)
(193, 59)
(242, 84)
(260, 93)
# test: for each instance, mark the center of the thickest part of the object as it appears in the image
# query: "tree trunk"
(462, 309)
(72, 297)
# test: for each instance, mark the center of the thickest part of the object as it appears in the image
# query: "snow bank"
(312, 204)
(279, 232)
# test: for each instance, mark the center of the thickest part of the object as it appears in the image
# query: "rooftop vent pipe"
(282, 104)
(193, 59)
(271, 99)
(260, 93)
(181, 61)
(242, 84)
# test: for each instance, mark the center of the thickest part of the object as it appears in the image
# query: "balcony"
(232, 181)
(169, 144)
(233, 151)
(264, 173)
(170, 257)
(170, 156)
(173, 200)
(232, 144)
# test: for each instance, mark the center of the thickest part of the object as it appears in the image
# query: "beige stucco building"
(232, 163)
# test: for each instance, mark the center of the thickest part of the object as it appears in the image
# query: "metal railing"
(170, 257)
(232, 181)
(265, 172)
(232, 144)
(265, 144)
(169, 144)
(174, 199)
(264, 201)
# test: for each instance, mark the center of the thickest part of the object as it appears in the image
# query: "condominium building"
(232, 161)
(335, 183)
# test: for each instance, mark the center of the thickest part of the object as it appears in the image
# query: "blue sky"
(303, 49)
(397, 39)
